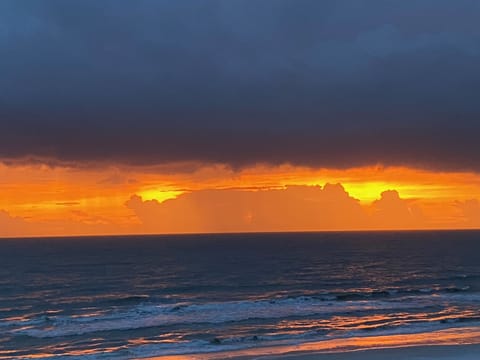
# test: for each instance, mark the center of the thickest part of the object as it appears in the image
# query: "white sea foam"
(146, 315)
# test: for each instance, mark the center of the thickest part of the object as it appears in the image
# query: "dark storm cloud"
(322, 83)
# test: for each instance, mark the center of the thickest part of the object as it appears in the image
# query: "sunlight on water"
(136, 297)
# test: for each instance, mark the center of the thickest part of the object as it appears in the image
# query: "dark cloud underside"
(322, 83)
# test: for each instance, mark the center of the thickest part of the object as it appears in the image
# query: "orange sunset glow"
(41, 200)
(274, 179)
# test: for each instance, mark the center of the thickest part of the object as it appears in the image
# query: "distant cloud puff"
(12, 226)
(390, 211)
(80, 223)
(471, 211)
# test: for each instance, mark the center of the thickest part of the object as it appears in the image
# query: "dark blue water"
(127, 297)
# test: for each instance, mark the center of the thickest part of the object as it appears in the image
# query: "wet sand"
(432, 352)
(442, 352)
(454, 343)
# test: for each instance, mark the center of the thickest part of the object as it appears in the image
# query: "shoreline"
(423, 352)
(444, 344)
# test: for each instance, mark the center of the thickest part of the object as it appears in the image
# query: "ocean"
(130, 297)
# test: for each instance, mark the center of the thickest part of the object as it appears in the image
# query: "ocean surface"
(138, 296)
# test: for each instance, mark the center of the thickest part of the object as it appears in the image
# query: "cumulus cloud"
(293, 208)
(302, 208)
(390, 211)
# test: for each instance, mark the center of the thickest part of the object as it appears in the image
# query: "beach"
(445, 352)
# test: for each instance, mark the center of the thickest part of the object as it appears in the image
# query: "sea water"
(136, 296)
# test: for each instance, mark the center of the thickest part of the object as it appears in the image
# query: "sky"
(212, 116)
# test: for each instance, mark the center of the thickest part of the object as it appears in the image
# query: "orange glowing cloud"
(62, 200)
(294, 208)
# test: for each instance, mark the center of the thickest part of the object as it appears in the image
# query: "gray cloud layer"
(324, 83)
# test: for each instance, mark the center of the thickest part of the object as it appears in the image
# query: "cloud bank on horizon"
(321, 83)
(294, 208)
